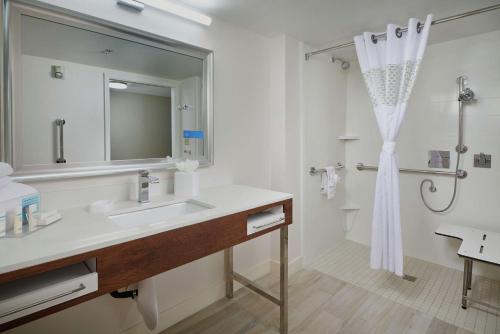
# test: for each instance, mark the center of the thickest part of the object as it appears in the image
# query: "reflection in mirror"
(86, 96)
(140, 117)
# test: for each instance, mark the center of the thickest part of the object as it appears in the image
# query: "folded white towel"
(262, 220)
(329, 181)
(5, 169)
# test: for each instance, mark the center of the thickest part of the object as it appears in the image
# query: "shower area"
(447, 149)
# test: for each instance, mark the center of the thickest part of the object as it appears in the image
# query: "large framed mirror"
(89, 98)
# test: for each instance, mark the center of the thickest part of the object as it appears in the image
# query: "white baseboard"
(293, 266)
(198, 300)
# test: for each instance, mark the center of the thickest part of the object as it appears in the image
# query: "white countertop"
(80, 231)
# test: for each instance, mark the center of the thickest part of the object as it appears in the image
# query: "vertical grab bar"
(60, 123)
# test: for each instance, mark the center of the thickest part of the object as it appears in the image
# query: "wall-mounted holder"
(57, 72)
(482, 160)
(317, 171)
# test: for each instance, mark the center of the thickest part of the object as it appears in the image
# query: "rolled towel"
(5, 169)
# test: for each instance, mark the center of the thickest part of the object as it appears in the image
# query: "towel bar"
(316, 171)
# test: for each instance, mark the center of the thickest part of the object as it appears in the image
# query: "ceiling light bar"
(179, 10)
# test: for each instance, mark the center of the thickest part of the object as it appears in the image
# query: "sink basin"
(158, 214)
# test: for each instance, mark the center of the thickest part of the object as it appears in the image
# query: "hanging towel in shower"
(329, 181)
(390, 69)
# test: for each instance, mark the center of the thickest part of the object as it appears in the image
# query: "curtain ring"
(374, 39)
(399, 33)
(419, 27)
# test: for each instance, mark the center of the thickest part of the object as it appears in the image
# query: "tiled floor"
(436, 292)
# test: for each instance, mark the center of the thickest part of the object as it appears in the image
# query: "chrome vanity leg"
(228, 271)
(467, 265)
(284, 279)
(469, 280)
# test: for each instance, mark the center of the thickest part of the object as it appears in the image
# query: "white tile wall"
(324, 89)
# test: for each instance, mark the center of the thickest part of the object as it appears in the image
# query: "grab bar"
(315, 171)
(461, 174)
(43, 301)
(60, 123)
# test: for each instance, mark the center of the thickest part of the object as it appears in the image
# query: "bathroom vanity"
(122, 253)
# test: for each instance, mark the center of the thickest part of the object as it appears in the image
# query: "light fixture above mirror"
(117, 85)
(169, 7)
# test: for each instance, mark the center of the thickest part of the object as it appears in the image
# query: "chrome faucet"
(144, 181)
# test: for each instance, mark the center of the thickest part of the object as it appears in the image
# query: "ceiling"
(322, 23)
(47, 39)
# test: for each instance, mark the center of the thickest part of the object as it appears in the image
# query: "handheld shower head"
(464, 94)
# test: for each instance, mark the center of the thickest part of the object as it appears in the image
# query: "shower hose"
(432, 188)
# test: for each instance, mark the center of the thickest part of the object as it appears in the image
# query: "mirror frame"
(79, 20)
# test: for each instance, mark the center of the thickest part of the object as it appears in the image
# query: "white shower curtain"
(390, 68)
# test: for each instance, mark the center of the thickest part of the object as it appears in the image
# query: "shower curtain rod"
(438, 21)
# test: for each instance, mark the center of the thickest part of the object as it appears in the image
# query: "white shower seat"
(477, 245)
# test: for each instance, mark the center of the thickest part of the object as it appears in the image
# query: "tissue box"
(186, 184)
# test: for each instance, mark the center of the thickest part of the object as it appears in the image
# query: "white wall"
(242, 113)
(286, 136)
(324, 89)
(431, 123)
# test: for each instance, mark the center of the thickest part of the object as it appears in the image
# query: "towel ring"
(374, 39)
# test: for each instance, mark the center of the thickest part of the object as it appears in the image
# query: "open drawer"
(28, 295)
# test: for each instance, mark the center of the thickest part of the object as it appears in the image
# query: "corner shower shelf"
(348, 137)
(350, 207)
(351, 211)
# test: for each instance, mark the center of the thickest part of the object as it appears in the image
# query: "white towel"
(329, 181)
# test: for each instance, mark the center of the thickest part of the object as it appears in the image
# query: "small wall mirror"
(86, 98)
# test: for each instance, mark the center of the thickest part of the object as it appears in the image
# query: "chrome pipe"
(403, 29)
(461, 174)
